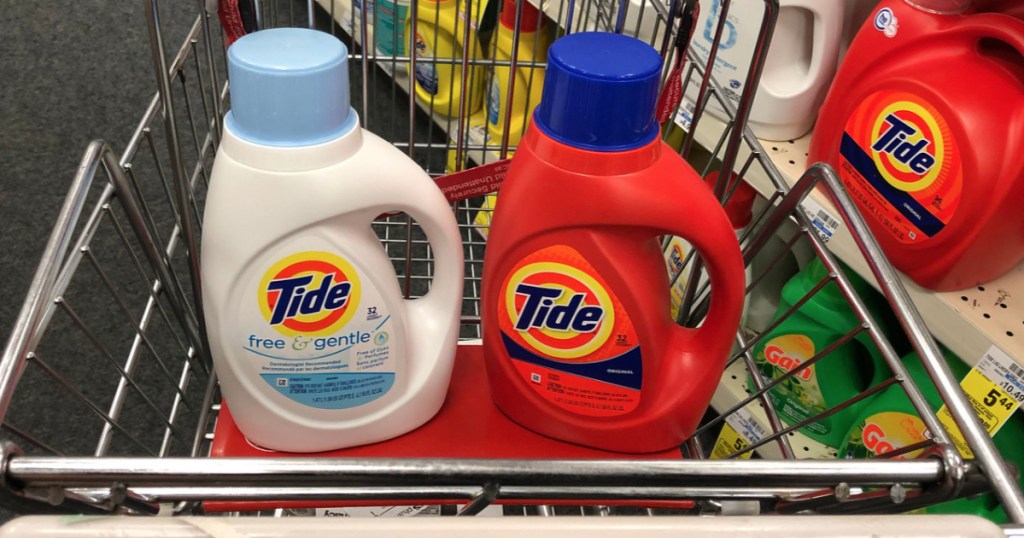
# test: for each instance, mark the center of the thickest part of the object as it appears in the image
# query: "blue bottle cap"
(600, 92)
(289, 87)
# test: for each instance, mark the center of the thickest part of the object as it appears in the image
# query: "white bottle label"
(319, 330)
(736, 46)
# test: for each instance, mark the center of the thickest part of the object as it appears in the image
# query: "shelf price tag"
(741, 429)
(684, 114)
(995, 387)
(824, 222)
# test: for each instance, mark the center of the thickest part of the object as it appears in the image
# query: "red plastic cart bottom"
(467, 426)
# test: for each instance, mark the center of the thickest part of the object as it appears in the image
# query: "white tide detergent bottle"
(801, 61)
(314, 344)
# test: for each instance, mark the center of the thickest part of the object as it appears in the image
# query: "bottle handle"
(824, 27)
(434, 315)
(708, 230)
(991, 25)
(826, 30)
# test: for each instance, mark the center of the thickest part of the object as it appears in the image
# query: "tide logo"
(908, 146)
(559, 310)
(309, 293)
(777, 355)
(676, 257)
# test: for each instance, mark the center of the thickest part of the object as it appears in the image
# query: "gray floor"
(71, 73)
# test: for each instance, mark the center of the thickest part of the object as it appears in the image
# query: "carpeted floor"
(71, 73)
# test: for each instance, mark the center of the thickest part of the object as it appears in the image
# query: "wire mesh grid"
(118, 285)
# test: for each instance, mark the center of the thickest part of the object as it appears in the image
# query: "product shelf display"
(778, 312)
(968, 321)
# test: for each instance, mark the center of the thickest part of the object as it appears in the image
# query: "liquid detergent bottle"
(916, 126)
(857, 11)
(349, 14)
(577, 334)
(389, 37)
(312, 341)
(534, 40)
(739, 209)
(1013, 8)
(439, 39)
(845, 372)
(801, 60)
(890, 423)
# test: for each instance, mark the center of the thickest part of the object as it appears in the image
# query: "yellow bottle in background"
(439, 34)
(534, 40)
(474, 135)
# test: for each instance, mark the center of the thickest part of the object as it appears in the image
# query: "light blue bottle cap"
(289, 87)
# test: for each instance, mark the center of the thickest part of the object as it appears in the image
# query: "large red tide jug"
(923, 125)
(580, 345)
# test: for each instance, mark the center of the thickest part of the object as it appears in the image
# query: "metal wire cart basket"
(120, 280)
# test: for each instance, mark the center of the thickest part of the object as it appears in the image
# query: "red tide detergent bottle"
(579, 342)
(923, 125)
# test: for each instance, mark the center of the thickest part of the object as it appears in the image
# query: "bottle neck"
(589, 162)
(291, 158)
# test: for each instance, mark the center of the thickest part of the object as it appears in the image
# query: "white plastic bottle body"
(314, 345)
(801, 62)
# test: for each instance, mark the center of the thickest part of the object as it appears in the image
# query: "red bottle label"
(568, 335)
(899, 161)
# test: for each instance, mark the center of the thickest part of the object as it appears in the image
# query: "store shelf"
(733, 389)
(968, 322)
(475, 132)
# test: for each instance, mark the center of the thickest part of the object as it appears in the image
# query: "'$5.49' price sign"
(995, 387)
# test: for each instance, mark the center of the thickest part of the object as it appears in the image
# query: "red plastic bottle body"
(610, 369)
(924, 124)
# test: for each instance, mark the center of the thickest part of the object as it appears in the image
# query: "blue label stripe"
(910, 208)
(332, 391)
(629, 361)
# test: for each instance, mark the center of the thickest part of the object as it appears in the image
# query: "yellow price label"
(991, 403)
(729, 442)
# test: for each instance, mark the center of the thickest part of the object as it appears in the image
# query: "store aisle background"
(70, 72)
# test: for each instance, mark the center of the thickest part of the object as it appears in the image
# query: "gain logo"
(559, 310)
(309, 293)
(908, 146)
(788, 352)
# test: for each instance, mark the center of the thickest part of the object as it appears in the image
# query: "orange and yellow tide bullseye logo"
(908, 145)
(309, 293)
(559, 310)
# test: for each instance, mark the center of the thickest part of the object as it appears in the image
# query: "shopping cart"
(119, 282)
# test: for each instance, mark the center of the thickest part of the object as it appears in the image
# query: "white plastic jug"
(801, 60)
(315, 347)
